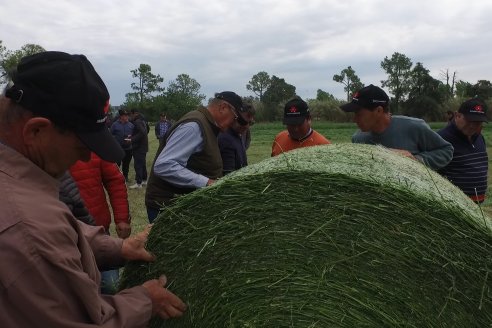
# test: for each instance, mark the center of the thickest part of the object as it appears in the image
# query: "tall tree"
(148, 83)
(450, 81)
(482, 89)
(350, 80)
(278, 92)
(182, 95)
(10, 59)
(398, 69)
(463, 89)
(425, 94)
(259, 83)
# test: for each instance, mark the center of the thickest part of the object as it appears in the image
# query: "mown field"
(262, 138)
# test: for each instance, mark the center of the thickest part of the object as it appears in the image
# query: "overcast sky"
(222, 44)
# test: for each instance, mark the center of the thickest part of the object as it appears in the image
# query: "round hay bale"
(328, 236)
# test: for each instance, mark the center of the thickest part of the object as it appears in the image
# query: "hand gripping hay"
(328, 236)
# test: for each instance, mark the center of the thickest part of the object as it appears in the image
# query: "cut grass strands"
(328, 236)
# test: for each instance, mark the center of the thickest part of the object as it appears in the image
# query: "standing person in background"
(52, 116)
(190, 156)
(299, 133)
(140, 147)
(232, 142)
(95, 179)
(161, 127)
(122, 130)
(411, 137)
(469, 167)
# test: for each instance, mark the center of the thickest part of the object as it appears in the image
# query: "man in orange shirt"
(299, 133)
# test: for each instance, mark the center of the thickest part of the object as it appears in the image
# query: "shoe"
(144, 183)
(136, 186)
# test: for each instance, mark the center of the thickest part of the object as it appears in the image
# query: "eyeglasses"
(238, 117)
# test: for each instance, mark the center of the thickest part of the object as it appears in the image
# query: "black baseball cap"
(474, 110)
(295, 112)
(232, 98)
(67, 90)
(368, 97)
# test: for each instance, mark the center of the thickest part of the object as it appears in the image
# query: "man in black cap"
(469, 167)
(53, 115)
(122, 130)
(409, 136)
(299, 133)
(189, 158)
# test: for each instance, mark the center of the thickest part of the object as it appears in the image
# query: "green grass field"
(262, 135)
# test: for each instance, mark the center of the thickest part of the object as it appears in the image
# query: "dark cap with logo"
(68, 91)
(368, 97)
(232, 98)
(295, 112)
(474, 110)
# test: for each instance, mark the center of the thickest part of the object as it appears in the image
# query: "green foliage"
(328, 110)
(182, 95)
(259, 83)
(424, 107)
(148, 83)
(350, 80)
(10, 59)
(398, 69)
(482, 89)
(275, 96)
(324, 96)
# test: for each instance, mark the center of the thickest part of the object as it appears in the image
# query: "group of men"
(54, 115)
(458, 151)
(130, 130)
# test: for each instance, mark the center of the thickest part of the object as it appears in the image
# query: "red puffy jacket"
(93, 178)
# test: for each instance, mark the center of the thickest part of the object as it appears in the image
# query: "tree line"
(414, 92)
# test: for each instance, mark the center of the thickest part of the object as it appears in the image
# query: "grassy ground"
(262, 138)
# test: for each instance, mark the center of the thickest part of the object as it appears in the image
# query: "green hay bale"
(329, 236)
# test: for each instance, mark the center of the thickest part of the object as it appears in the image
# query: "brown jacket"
(49, 273)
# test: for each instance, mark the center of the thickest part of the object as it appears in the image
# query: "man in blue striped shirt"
(469, 166)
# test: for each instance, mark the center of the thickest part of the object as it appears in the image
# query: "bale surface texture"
(328, 236)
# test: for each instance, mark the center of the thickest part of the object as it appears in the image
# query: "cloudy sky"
(222, 44)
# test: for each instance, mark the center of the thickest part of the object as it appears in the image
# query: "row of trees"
(414, 91)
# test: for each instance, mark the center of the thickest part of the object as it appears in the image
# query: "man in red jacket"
(94, 179)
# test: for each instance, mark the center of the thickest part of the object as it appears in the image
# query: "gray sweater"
(413, 135)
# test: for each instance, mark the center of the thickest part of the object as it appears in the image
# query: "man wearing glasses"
(232, 143)
(190, 156)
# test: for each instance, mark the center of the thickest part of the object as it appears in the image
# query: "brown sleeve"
(53, 281)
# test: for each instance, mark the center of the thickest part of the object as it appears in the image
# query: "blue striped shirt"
(469, 167)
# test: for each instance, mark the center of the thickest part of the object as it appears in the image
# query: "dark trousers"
(140, 165)
(152, 213)
(125, 163)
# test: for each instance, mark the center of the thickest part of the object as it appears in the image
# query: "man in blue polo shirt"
(469, 167)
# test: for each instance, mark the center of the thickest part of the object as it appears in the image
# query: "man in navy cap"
(409, 136)
(190, 156)
(469, 167)
(53, 115)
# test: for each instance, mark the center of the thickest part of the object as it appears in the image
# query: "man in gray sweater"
(409, 136)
